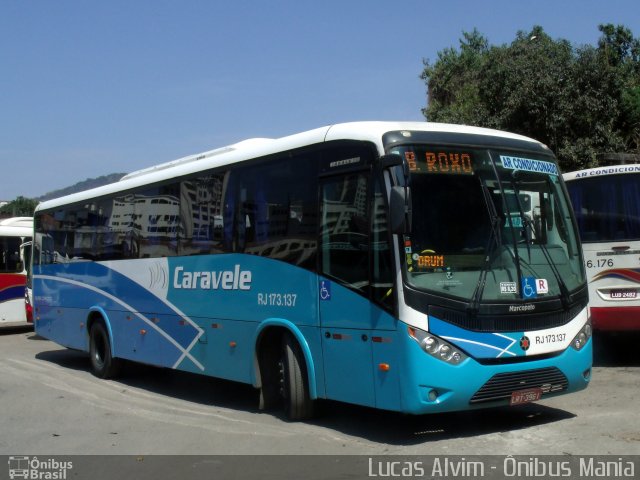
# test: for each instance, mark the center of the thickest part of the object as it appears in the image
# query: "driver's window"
(345, 230)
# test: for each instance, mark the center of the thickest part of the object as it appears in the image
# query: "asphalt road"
(52, 404)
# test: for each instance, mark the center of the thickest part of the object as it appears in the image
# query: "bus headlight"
(583, 336)
(430, 344)
(437, 347)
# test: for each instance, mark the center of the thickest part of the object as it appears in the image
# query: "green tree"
(581, 101)
(20, 207)
(621, 54)
(452, 82)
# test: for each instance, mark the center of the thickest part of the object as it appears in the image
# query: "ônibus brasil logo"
(36, 469)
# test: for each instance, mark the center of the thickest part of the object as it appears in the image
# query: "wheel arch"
(276, 328)
(97, 314)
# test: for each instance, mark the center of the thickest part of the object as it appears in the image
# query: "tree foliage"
(20, 207)
(580, 101)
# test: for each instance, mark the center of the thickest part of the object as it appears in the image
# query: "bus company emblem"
(342, 163)
(521, 308)
(525, 343)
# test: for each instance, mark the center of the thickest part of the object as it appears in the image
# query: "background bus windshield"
(607, 207)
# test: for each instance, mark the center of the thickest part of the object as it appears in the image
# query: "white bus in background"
(14, 232)
(606, 202)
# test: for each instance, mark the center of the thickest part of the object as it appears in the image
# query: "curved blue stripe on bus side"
(112, 282)
(144, 337)
(66, 325)
(230, 295)
(302, 340)
(235, 304)
(135, 296)
(12, 293)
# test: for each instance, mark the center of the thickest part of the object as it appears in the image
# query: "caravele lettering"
(235, 279)
(443, 162)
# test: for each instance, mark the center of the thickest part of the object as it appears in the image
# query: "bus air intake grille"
(502, 385)
(505, 323)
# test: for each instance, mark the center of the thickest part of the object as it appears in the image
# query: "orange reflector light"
(232, 344)
(384, 367)
(412, 331)
(143, 332)
(380, 339)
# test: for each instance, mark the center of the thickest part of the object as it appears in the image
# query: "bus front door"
(343, 287)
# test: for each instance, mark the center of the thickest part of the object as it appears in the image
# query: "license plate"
(525, 396)
(623, 293)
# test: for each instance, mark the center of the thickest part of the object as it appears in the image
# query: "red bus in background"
(14, 261)
(606, 202)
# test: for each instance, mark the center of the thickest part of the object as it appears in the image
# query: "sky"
(90, 87)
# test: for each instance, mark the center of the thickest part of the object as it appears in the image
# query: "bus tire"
(269, 363)
(295, 389)
(103, 365)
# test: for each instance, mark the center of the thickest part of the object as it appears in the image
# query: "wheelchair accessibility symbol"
(529, 287)
(325, 290)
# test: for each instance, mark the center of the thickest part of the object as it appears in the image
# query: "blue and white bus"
(413, 267)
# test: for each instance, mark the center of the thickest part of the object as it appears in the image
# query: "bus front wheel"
(103, 365)
(294, 381)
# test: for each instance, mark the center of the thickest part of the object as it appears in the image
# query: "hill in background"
(84, 185)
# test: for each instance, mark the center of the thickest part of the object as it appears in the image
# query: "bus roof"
(251, 148)
(601, 171)
(16, 227)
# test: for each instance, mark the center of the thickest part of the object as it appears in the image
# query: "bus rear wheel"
(103, 365)
(294, 381)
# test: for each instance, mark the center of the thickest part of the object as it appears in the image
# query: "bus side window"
(345, 243)
(382, 265)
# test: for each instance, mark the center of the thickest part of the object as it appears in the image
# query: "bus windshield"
(489, 226)
(607, 208)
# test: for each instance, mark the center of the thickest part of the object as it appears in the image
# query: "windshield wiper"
(494, 237)
(516, 253)
(565, 296)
